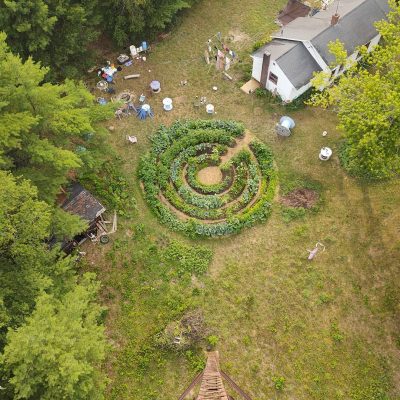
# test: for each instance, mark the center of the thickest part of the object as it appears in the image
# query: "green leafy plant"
(336, 334)
(248, 183)
(279, 382)
(367, 103)
(212, 340)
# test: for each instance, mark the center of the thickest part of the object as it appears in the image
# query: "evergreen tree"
(42, 125)
(27, 266)
(368, 104)
(55, 32)
(57, 353)
(129, 20)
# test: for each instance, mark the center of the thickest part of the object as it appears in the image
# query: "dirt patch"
(210, 175)
(305, 198)
(237, 36)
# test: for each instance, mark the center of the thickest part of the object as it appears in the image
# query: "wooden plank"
(207, 56)
(132, 76)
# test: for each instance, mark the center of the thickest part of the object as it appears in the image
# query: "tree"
(27, 265)
(129, 20)
(42, 125)
(367, 101)
(55, 32)
(28, 24)
(56, 354)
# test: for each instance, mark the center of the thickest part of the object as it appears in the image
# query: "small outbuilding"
(286, 65)
(79, 201)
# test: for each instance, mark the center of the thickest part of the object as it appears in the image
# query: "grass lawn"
(329, 327)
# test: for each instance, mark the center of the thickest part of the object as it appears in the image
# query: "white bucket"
(167, 103)
(210, 109)
(325, 154)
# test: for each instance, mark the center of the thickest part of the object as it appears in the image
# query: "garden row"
(169, 173)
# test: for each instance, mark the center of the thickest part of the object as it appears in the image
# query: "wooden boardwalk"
(212, 386)
(211, 382)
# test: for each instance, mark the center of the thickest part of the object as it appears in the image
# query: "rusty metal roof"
(82, 203)
(293, 10)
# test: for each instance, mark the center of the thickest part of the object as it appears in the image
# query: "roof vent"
(335, 19)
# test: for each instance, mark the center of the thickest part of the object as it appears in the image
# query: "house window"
(273, 78)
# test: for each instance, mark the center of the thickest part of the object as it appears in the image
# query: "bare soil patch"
(210, 175)
(237, 36)
(305, 198)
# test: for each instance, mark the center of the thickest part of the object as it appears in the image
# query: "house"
(286, 65)
(79, 201)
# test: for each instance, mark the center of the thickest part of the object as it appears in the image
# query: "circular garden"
(208, 178)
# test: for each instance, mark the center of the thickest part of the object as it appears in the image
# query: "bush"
(279, 382)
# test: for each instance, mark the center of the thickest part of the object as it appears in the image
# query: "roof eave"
(288, 38)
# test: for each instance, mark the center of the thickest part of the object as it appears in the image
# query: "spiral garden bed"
(187, 193)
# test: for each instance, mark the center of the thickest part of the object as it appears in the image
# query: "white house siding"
(257, 67)
(374, 42)
(298, 92)
(284, 87)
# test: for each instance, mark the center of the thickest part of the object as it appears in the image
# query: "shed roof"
(298, 65)
(293, 10)
(82, 203)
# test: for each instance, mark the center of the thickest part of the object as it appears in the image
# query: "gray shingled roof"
(354, 29)
(307, 28)
(298, 65)
(275, 48)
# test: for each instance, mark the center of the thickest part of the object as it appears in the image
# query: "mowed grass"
(329, 327)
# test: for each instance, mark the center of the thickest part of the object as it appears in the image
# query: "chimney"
(335, 19)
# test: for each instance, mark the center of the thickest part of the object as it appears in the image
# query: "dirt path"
(241, 144)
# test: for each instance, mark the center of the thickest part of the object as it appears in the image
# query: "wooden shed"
(79, 201)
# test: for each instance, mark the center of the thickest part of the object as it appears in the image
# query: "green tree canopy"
(41, 124)
(367, 100)
(27, 266)
(129, 20)
(57, 353)
(55, 32)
